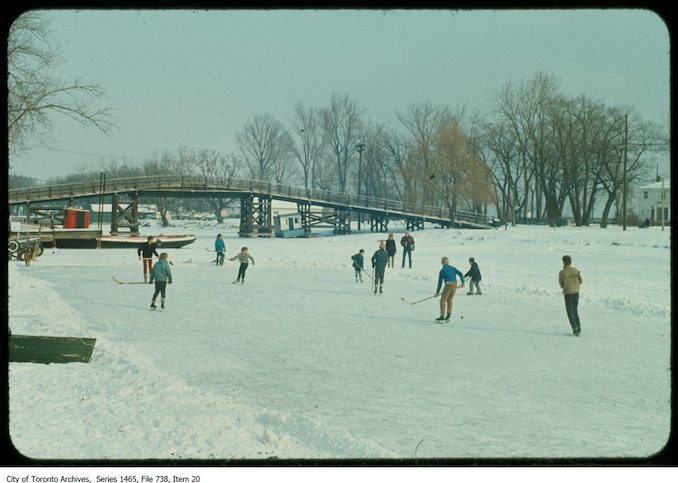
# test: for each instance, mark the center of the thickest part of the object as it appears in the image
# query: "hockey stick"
(362, 270)
(124, 283)
(418, 301)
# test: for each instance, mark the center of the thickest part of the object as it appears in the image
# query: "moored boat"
(133, 241)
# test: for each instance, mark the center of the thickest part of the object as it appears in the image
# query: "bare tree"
(311, 145)
(215, 168)
(404, 170)
(498, 149)
(422, 122)
(266, 146)
(35, 94)
(166, 164)
(525, 108)
(342, 125)
(378, 169)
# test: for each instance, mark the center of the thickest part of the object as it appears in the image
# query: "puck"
(462, 316)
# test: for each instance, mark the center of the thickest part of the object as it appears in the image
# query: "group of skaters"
(243, 257)
(161, 273)
(569, 277)
(447, 278)
(382, 258)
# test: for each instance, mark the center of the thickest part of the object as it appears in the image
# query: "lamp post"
(361, 148)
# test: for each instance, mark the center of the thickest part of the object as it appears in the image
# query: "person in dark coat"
(379, 262)
(145, 253)
(474, 275)
(407, 242)
(391, 250)
(358, 261)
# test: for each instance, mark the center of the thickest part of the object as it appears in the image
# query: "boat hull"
(162, 242)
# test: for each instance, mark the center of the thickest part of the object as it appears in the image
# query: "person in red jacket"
(407, 242)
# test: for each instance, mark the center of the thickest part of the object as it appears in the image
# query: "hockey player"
(448, 274)
(220, 248)
(358, 261)
(243, 257)
(162, 274)
(379, 261)
(474, 275)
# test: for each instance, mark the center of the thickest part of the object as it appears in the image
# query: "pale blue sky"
(194, 78)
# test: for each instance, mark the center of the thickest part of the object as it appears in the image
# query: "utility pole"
(624, 187)
(662, 203)
(361, 148)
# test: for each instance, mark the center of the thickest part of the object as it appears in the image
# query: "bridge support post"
(246, 218)
(304, 209)
(412, 224)
(256, 217)
(127, 217)
(378, 223)
(342, 222)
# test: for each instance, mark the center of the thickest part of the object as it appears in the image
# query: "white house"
(653, 199)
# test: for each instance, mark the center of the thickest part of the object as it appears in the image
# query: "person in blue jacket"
(448, 274)
(162, 274)
(220, 248)
(358, 262)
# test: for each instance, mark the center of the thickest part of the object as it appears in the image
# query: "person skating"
(475, 277)
(145, 253)
(379, 261)
(570, 280)
(407, 242)
(162, 274)
(448, 274)
(220, 248)
(391, 250)
(358, 262)
(243, 257)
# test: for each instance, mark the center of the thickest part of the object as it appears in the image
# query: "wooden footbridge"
(256, 217)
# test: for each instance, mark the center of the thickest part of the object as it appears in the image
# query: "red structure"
(75, 218)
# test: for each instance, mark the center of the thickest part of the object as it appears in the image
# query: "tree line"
(535, 154)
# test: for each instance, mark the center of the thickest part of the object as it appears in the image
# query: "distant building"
(652, 199)
(288, 225)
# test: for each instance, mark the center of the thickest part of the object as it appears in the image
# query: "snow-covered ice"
(302, 362)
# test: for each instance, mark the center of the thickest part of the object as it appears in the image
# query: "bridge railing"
(164, 182)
